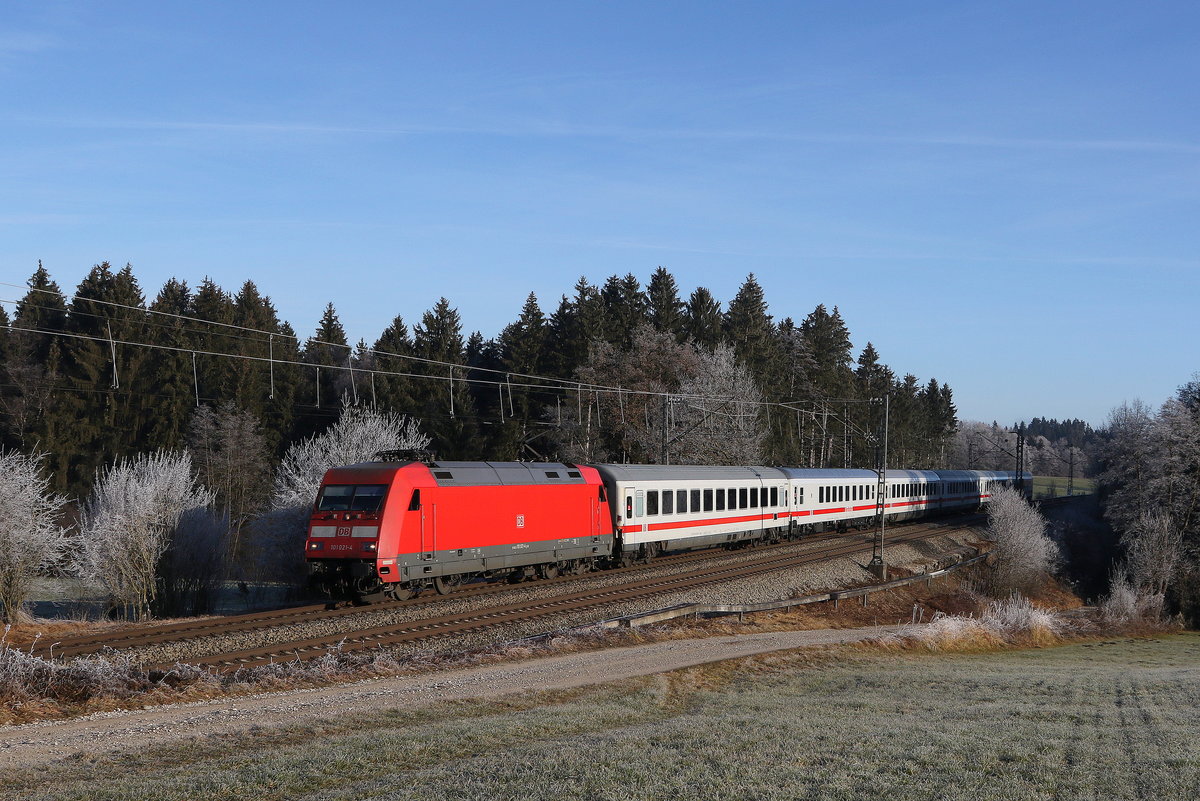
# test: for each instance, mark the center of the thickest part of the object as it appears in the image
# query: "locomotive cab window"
(414, 503)
(351, 498)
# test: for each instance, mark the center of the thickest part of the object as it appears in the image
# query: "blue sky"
(1001, 195)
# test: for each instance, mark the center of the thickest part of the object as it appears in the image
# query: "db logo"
(343, 531)
(520, 521)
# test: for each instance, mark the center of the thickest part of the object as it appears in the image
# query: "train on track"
(400, 527)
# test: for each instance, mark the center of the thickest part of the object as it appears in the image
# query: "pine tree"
(665, 309)
(703, 320)
(445, 399)
(522, 349)
(96, 421)
(327, 382)
(624, 309)
(165, 410)
(32, 369)
(30, 365)
(393, 389)
(216, 374)
(829, 343)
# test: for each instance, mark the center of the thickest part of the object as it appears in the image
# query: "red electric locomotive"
(402, 527)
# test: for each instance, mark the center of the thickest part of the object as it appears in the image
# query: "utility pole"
(878, 566)
(665, 457)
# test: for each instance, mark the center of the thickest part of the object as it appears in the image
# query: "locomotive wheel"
(402, 592)
(549, 570)
(442, 585)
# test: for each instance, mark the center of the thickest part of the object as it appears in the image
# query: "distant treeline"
(616, 372)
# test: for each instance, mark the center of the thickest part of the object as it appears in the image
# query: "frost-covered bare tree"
(131, 519)
(1153, 551)
(626, 426)
(277, 537)
(1128, 463)
(31, 539)
(716, 413)
(231, 457)
(1023, 553)
(1150, 477)
(359, 433)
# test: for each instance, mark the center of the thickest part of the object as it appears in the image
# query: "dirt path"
(37, 743)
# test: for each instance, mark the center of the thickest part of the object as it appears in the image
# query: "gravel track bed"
(777, 585)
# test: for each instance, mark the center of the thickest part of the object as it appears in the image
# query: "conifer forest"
(617, 372)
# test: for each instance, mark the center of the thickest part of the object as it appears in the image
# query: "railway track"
(188, 630)
(508, 615)
(146, 635)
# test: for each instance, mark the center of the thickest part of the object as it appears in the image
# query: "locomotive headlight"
(371, 546)
(316, 546)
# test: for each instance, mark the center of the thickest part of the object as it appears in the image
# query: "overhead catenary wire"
(528, 381)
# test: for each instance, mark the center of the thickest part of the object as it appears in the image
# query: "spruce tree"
(664, 306)
(327, 381)
(393, 387)
(166, 408)
(624, 309)
(96, 422)
(703, 320)
(444, 397)
(213, 307)
(522, 349)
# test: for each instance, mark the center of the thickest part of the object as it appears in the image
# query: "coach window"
(668, 502)
(774, 496)
(799, 496)
(743, 498)
(680, 502)
(720, 499)
(641, 504)
(708, 500)
(754, 497)
(628, 506)
(652, 502)
(694, 505)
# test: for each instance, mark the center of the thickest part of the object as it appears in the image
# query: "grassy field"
(1052, 486)
(1109, 720)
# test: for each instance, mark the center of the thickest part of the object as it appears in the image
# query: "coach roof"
(657, 472)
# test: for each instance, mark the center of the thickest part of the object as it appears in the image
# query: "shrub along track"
(506, 615)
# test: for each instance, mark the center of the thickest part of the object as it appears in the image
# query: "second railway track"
(508, 615)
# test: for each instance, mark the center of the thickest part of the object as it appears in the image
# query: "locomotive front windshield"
(351, 497)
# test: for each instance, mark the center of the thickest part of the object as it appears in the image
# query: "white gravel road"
(38, 743)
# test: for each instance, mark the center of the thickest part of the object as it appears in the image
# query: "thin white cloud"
(560, 129)
(17, 43)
